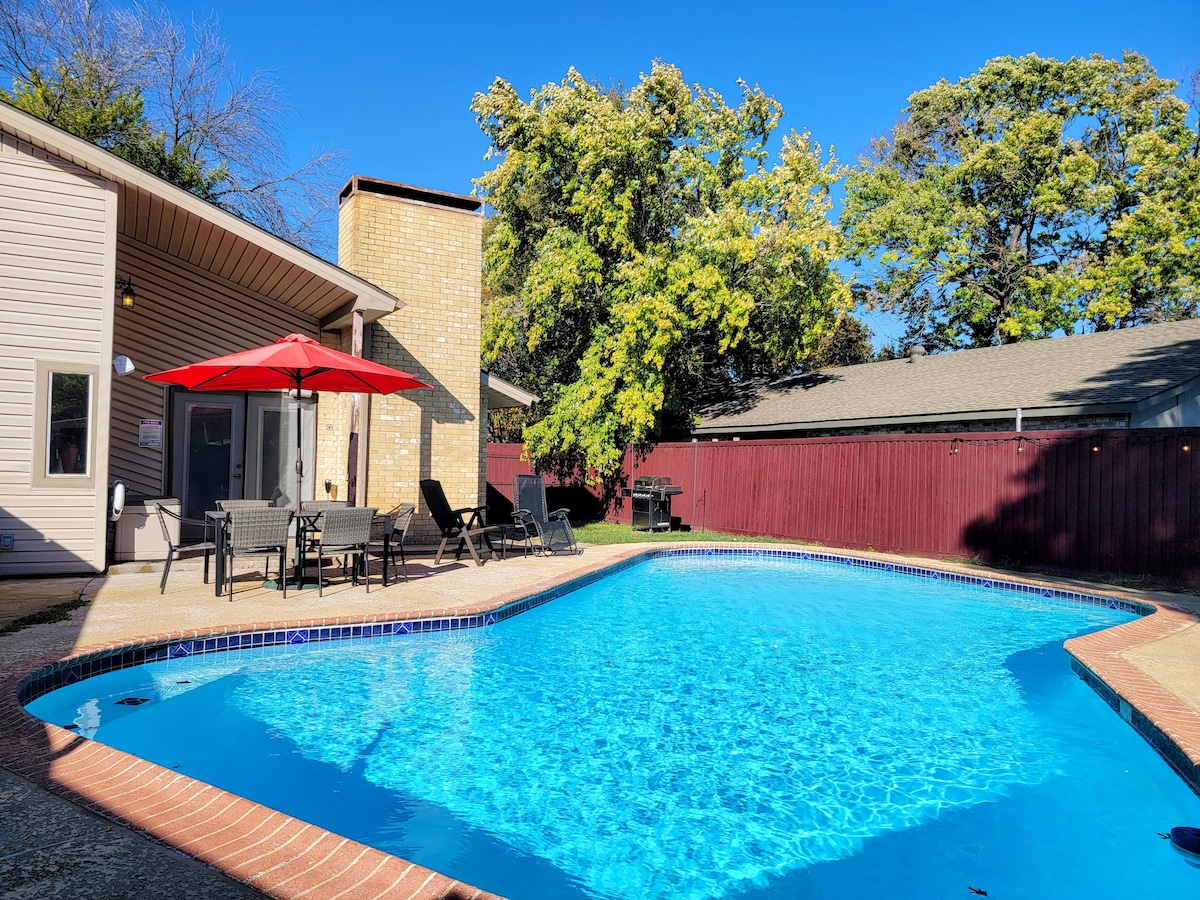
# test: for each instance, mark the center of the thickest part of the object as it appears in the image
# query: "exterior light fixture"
(1187, 448)
(128, 296)
(1096, 448)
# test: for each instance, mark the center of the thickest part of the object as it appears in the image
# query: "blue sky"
(391, 83)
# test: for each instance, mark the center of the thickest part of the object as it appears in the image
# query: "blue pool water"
(693, 728)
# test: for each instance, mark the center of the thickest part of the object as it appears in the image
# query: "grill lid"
(651, 481)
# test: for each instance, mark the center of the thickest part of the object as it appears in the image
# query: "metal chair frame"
(177, 551)
(551, 527)
(387, 536)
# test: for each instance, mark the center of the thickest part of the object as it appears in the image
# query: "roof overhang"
(154, 212)
(503, 394)
(1096, 409)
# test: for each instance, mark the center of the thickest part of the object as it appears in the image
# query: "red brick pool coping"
(286, 858)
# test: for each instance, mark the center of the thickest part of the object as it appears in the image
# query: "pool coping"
(287, 858)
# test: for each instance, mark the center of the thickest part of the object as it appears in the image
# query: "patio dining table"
(219, 518)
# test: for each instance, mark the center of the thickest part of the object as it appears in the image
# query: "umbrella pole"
(299, 444)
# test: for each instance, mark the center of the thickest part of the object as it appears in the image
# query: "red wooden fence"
(1121, 501)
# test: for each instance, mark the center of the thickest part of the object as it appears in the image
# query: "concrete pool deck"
(238, 849)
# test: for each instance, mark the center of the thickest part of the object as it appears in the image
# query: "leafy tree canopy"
(78, 98)
(1032, 196)
(643, 253)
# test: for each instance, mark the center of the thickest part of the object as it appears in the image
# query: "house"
(104, 266)
(1145, 377)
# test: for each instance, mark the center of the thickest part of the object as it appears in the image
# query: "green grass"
(599, 533)
(613, 533)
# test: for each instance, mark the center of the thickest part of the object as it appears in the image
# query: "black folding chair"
(453, 525)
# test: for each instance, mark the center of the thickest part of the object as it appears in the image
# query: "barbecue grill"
(651, 496)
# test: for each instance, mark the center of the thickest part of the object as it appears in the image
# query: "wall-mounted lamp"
(1095, 448)
(1187, 448)
(123, 365)
(128, 296)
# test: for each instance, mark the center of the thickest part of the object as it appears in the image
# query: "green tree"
(643, 254)
(167, 97)
(848, 343)
(78, 97)
(1032, 196)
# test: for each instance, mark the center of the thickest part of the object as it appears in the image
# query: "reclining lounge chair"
(552, 528)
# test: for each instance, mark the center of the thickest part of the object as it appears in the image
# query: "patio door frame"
(182, 403)
(247, 431)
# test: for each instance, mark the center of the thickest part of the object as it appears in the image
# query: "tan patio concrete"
(1174, 662)
(1154, 662)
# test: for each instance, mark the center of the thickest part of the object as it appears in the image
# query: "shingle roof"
(1109, 371)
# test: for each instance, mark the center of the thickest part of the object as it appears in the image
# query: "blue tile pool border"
(79, 668)
(1139, 722)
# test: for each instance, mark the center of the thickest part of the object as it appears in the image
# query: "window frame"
(40, 474)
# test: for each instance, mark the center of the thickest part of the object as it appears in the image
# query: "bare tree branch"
(226, 126)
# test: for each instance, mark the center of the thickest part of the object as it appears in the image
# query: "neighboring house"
(1147, 377)
(77, 224)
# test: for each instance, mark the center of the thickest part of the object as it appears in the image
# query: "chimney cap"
(915, 352)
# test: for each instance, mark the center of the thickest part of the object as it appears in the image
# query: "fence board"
(1132, 507)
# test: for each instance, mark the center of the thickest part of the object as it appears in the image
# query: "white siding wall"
(57, 252)
(1178, 410)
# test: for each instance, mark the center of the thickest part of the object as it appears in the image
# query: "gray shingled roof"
(1110, 371)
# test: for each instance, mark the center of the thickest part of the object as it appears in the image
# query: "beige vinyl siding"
(57, 245)
(182, 315)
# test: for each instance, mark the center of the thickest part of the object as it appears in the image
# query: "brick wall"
(428, 255)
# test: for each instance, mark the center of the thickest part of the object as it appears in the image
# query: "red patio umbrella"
(292, 363)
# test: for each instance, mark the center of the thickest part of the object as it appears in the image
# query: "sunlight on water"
(687, 728)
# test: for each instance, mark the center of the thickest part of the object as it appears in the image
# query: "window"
(64, 427)
(70, 423)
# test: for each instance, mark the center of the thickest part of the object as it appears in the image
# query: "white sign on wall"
(150, 433)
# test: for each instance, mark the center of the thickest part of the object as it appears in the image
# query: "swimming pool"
(692, 727)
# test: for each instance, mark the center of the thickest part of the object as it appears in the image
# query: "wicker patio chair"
(345, 532)
(551, 528)
(207, 545)
(258, 531)
(321, 505)
(387, 536)
(227, 505)
(309, 528)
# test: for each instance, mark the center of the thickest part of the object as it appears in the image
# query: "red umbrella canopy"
(294, 362)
